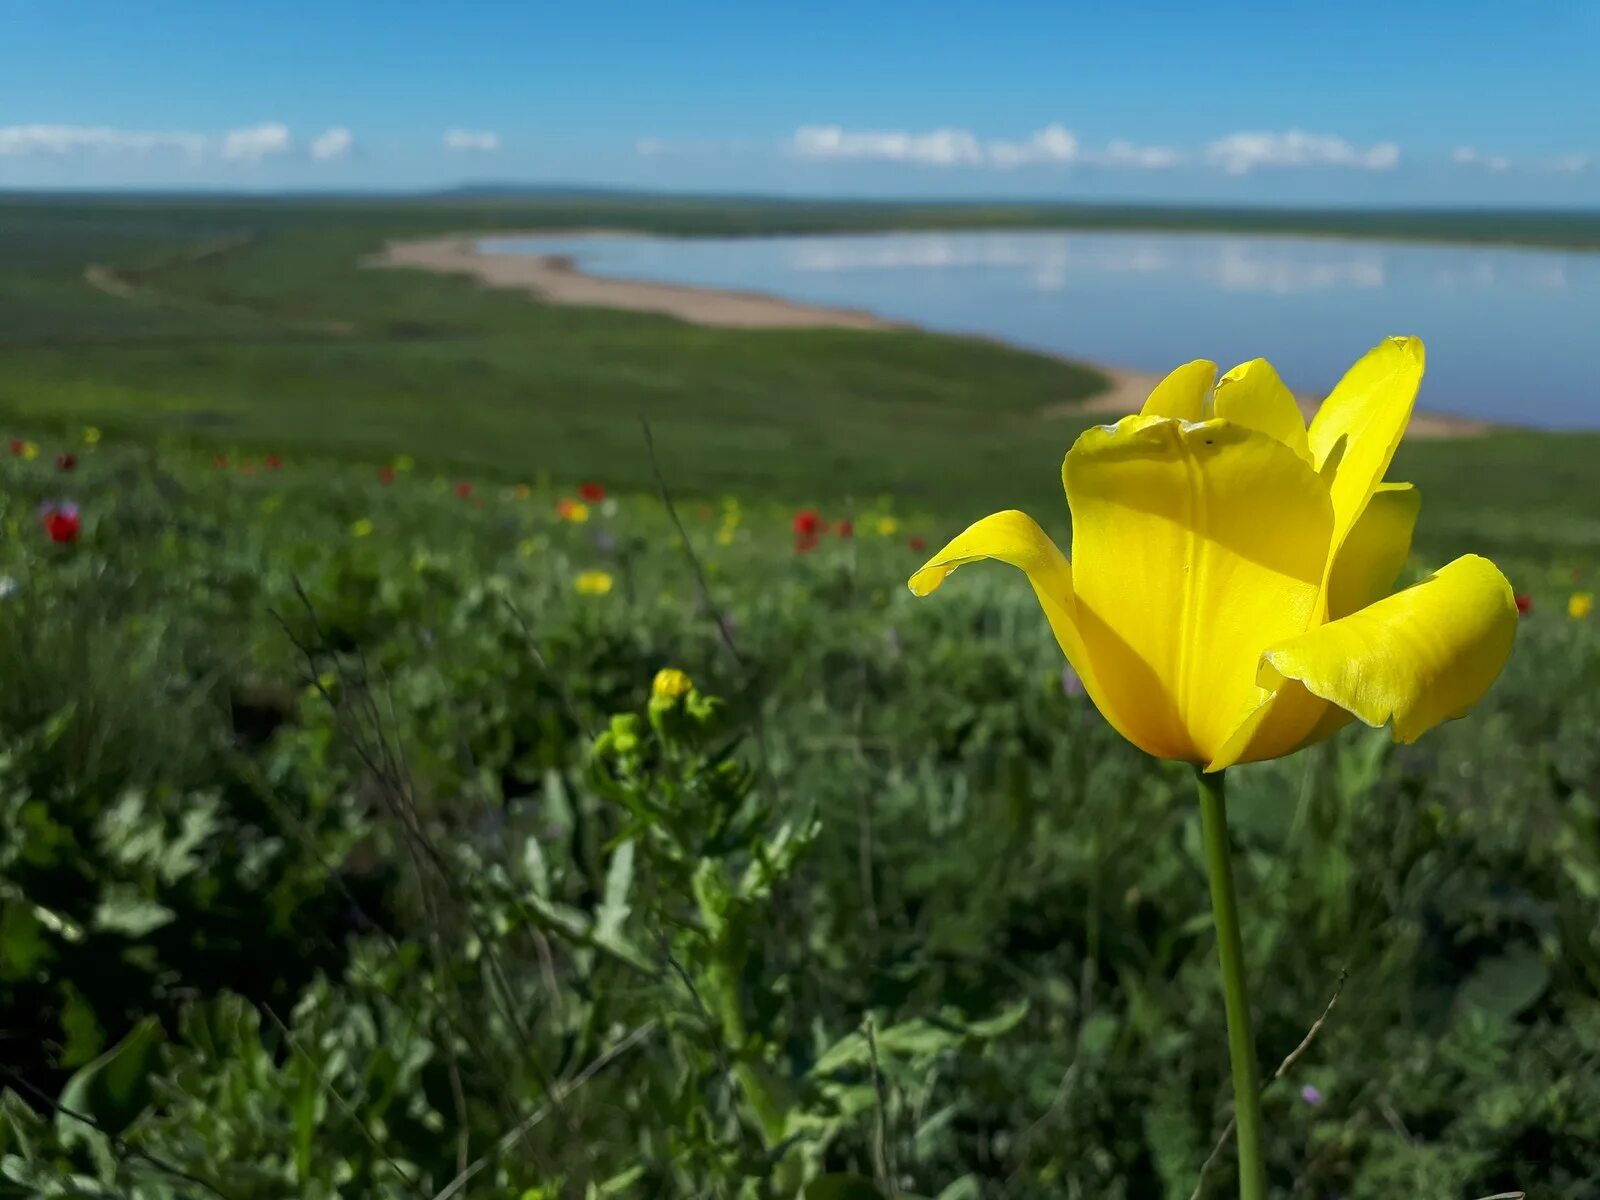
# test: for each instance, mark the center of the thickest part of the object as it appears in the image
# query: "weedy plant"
(374, 864)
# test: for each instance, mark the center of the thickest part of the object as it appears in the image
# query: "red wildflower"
(219, 461)
(591, 493)
(808, 524)
(272, 462)
(386, 474)
(464, 490)
(805, 543)
(845, 528)
(1524, 603)
(916, 543)
(17, 445)
(66, 462)
(61, 523)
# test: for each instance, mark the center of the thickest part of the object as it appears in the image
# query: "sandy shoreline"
(556, 280)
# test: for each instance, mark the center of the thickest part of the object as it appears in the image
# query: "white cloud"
(1052, 144)
(942, 147)
(1241, 153)
(1238, 153)
(78, 139)
(481, 141)
(335, 143)
(253, 144)
(1471, 156)
(652, 147)
(247, 145)
(1119, 153)
(1571, 164)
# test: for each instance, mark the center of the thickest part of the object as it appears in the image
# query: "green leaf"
(1000, 1024)
(112, 1090)
(613, 910)
(1507, 983)
(23, 945)
(122, 910)
(84, 1036)
(919, 1040)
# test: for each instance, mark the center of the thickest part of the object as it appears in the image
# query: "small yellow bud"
(670, 684)
(593, 583)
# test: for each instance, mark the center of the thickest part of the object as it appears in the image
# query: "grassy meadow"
(345, 850)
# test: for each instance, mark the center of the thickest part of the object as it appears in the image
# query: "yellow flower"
(593, 583)
(886, 526)
(91, 436)
(404, 463)
(670, 684)
(575, 511)
(361, 528)
(1229, 595)
(725, 536)
(30, 450)
(1580, 605)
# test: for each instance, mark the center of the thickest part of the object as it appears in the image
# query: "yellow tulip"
(91, 436)
(1580, 605)
(886, 526)
(1228, 599)
(593, 583)
(361, 527)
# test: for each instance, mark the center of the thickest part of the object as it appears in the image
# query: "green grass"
(378, 896)
(255, 327)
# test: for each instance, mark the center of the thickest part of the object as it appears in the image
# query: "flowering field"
(367, 831)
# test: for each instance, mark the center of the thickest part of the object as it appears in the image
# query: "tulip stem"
(1241, 1043)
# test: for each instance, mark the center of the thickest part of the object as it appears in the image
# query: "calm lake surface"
(1513, 335)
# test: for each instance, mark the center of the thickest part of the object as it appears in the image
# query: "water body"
(1513, 334)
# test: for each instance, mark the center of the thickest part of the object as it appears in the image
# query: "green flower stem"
(1241, 1043)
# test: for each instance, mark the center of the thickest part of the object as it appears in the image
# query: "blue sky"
(1466, 103)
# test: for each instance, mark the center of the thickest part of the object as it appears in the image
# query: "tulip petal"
(1422, 656)
(1195, 548)
(1284, 721)
(1182, 394)
(1014, 537)
(1354, 434)
(1366, 566)
(1252, 394)
(1363, 573)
